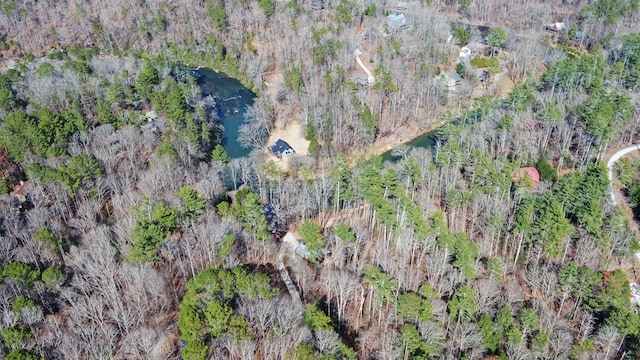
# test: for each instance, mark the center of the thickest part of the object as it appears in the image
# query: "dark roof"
(280, 146)
(271, 216)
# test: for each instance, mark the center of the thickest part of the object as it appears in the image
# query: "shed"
(402, 6)
(281, 149)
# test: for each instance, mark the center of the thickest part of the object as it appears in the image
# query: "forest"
(130, 236)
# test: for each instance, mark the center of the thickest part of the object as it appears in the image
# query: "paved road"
(615, 157)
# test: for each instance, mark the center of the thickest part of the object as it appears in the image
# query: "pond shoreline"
(232, 99)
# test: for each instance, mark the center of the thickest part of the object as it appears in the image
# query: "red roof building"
(532, 172)
(22, 191)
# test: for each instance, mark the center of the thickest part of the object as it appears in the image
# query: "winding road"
(615, 157)
(612, 160)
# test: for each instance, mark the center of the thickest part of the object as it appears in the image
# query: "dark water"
(426, 141)
(232, 99)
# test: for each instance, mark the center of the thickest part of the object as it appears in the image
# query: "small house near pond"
(281, 149)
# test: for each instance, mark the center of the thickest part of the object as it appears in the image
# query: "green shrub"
(195, 350)
(53, 277)
(13, 336)
(547, 172)
(343, 232)
(370, 10)
(22, 354)
(462, 35)
(4, 187)
(21, 272)
(480, 62)
(45, 69)
(22, 302)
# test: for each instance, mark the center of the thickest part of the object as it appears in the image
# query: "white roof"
(465, 52)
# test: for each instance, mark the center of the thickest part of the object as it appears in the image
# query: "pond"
(232, 99)
(426, 141)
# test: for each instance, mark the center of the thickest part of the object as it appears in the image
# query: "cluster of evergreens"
(206, 308)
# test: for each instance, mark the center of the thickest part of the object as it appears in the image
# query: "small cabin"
(281, 149)
(21, 194)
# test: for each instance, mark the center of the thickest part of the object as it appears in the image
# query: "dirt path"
(288, 246)
(370, 78)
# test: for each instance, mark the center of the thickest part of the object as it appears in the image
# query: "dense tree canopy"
(127, 231)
